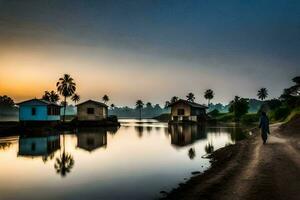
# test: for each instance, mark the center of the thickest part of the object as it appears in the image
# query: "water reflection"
(4, 145)
(91, 139)
(192, 153)
(65, 162)
(139, 130)
(183, 134)
(100, 161)
(209, 148)
(39, 146)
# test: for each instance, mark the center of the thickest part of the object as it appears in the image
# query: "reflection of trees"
(139, 130)
(65, 162)
(209, 148)
(5, 145)
(149, 128)
(45, 158)
(237, 134)
(192, 153)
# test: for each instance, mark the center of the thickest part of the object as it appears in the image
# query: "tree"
(139, 105)
(6, 101)
(239, 107)
(174, 99)
(262, 93)
(291, 95)
(149, 105)
(209, 95)
(112, 106)
(190, 97)
(167, 103)
(51, 96)
(105, 98)
(66, 87)
(75, 98)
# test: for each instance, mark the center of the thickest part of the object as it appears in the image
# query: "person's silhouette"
(264, 126)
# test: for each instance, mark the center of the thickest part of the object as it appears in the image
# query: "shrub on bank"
(250, 118)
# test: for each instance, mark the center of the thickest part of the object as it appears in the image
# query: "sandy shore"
(251, 170)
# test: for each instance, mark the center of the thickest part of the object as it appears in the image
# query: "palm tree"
(105, 98)
(54, 97)
(190, 97)
(174, 99)
(46, 96)
(139, 105)
(262, 93)
(66, 87)
(76, 98)
(209, 95)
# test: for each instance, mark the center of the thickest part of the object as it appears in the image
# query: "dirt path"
(253, 171)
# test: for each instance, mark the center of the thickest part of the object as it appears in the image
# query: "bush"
(280, 113)
(250, 118)
(214, 113)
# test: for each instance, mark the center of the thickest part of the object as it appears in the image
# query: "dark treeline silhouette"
(148, 111)
(7, 106)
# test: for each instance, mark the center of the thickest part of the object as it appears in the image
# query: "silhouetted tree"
(190, 97)
(262, 93)
(139, 105)
(167, 103)
(149, 105)
(105, 98)
(66, 87)
(291, 95)
(51, 96)
(75, 98)
(238, 106)
(112, 106)
(6, 101)
(209, 95)
(174, 99)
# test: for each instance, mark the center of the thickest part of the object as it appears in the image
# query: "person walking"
(264, 126)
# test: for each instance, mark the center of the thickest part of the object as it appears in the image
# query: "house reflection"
(35, 146)
(91, 139)
(185, 134)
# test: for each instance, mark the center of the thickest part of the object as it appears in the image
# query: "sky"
(150, 50)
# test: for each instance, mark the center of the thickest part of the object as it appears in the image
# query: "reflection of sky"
(149, 162)
(139, 49)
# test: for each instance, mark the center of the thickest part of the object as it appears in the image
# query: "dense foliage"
(239, 107)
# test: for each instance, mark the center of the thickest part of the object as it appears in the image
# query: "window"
(53, 110)
(180, 112)
(33, 111)
(90, 111)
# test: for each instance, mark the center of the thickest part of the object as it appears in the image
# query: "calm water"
(136, 161)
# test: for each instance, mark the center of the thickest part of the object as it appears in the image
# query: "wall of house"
(41, 114)
(99, 114)
(186, 107)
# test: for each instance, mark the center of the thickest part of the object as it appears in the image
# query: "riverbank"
(251, 170)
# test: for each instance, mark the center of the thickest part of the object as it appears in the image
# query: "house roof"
(192, 104)
(42, 101)
(94, 102)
